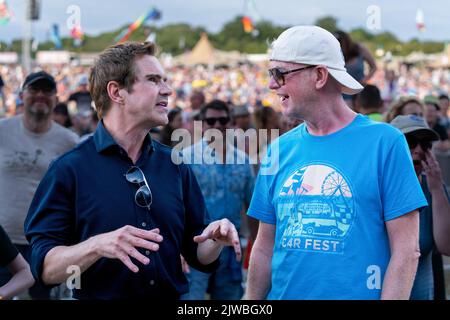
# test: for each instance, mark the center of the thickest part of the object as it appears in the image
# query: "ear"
(114, 92)
(322, 76)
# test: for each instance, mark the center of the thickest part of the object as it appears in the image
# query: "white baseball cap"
(313, 45)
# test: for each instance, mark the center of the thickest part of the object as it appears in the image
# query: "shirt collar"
(103, 140)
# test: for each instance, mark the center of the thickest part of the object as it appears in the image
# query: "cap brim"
(348, 83)
(422, 133)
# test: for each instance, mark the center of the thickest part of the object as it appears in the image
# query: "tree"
(328, 23)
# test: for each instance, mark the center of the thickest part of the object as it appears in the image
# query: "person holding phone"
(434, 231)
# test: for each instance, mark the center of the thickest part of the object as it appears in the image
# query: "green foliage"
(328, 23)
(171, 38)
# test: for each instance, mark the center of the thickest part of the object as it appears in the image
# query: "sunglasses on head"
(413, 142)
(143, 196)
(222, 120)
(278, 75)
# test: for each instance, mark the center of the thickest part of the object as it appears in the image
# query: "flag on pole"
(420, 21)
(247, 24)
(56, 39)
(250, 17)
(77, 35)
(152, 14)
(5, 13)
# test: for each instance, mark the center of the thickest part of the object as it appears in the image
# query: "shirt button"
(144, 224)
(152, 282)
(147, 252)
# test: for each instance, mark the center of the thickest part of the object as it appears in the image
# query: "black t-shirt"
(8, 252)
(441, 131)
(1, 82)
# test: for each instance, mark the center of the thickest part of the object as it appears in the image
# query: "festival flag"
(56, 39)
(77, 35)
(152, 14)
(248, 24)
(250, 17)
(5, 13)
(420, 21)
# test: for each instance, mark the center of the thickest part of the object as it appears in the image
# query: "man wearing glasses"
(435, 218)
(28, 143)
(116, 208)
(338, 215)
(226, 179)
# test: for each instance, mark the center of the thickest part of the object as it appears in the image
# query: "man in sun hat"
(338, 210)
(435, 218)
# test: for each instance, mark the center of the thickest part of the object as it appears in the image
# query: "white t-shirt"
(24, 159)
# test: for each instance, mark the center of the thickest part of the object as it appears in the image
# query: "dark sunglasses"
(143, 196)
(278, 75)
(45, 90)
(413, 142)
(222, 120)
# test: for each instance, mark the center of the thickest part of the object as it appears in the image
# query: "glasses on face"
(35, 90)
(413, 142)
(143, 196)
(222, 120)
(278, 75)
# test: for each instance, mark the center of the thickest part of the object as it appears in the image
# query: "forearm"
(259, 273)
(400, 275)
(59, 259)
(441, 221)
(208, 251)
(21, 281)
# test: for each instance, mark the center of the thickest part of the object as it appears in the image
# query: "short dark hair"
(370, 97)
(218, 105)
(443, 96)
(173, 113)
(62, 109)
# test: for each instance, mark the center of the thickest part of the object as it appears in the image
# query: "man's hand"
(432, 171)
(121, 244)
(223, 232)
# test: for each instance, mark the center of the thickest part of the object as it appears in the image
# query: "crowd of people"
(95, 122)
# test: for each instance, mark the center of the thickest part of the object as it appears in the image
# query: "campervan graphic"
(315, 202)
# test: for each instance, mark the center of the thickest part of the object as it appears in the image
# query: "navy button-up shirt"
(85, 193)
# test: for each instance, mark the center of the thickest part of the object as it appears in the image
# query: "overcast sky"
(397, 16)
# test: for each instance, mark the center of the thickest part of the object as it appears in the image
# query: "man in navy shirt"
(116, 207)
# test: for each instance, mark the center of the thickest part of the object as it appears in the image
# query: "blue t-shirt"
(329, 197)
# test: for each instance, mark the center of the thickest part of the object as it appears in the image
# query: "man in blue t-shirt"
(337, 197)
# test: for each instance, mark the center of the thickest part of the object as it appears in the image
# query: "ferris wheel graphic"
(335, 185)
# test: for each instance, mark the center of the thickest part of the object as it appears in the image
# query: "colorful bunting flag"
(152, 14)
